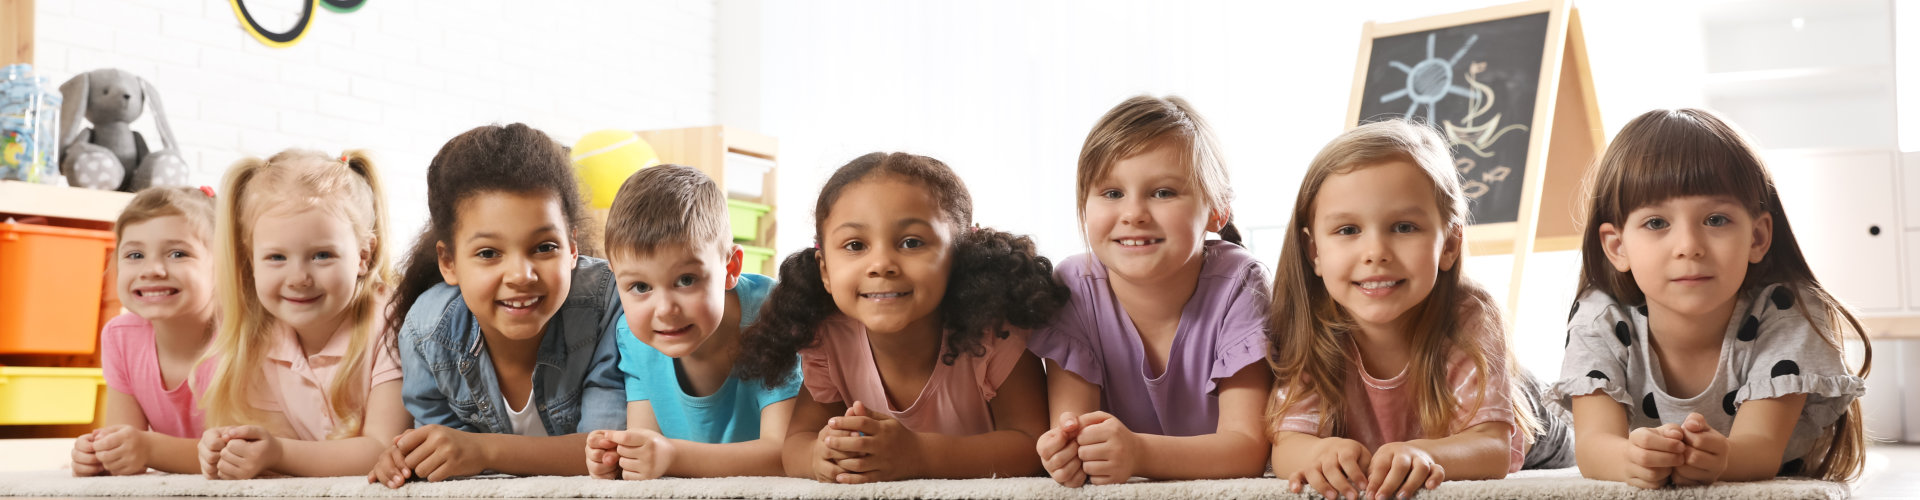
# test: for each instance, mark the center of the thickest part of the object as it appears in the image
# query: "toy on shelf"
(29, 117)
(111, 155)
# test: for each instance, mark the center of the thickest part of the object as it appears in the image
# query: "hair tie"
(343, 158)
(208, 190)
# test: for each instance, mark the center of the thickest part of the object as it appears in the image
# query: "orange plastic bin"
(50, 287)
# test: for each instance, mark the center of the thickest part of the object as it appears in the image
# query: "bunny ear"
(159, 115)
(73, 104)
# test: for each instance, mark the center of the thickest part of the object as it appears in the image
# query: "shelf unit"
(731, 155)
(66, 207)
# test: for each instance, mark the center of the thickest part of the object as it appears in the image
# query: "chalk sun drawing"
(1429, 80)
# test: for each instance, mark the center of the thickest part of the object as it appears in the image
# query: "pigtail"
(237, 345)
(998, 281)
(369, 295)
(788, 322)
(1230, 234)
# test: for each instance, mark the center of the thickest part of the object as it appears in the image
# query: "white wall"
(398, 77)
(1005, 92)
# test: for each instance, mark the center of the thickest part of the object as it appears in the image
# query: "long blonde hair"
(1307, 330)
(1668, 153)
(349, 187)
(1143, 122)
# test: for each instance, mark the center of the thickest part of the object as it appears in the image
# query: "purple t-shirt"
(1222, 330)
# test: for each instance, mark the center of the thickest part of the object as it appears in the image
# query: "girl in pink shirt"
(911, 327)
(152, 356)
(306, 386)
(1394, 369)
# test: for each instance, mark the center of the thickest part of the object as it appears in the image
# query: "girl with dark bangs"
(1702, 348)
(911, 328)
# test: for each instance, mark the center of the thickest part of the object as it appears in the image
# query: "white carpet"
(1562, 483)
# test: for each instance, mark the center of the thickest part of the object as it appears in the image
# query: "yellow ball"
(606, 158)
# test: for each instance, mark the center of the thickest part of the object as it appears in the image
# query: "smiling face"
(1378, 242)
(885, 252)
(1145, 219)
(1689, 254)
(675, 297)
(512, 257)
(164, 270)
(307, 262)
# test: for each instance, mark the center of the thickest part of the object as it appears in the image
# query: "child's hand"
(1340, 468)
(1059, 450)
(391, 469)
(121, 449)
(644, 454)
(887, 449)
(1109, 451)
(1706, 456)
(1401, 470)
(84, 462)
(249, 452)
(1655, 451)
(208, 451)
(603, 459)
(438, 452)
(826, 468)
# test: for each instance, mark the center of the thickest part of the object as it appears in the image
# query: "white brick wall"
(399, 77)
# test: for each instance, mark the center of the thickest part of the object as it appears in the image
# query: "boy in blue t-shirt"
(685, 304)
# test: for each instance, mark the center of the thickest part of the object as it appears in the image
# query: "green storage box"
(745, 216)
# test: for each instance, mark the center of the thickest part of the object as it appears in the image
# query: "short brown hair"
(666, 205)
(152, 203)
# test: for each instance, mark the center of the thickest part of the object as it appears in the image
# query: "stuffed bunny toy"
(110, 155)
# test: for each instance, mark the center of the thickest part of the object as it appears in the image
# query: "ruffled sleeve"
(1303, 417)
(997, 364)
(1599, 338)
(1243, 325)
(1069, 338)
(1792, 356)
(819, 376)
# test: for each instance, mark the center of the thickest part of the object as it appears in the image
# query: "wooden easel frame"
(1560, 149)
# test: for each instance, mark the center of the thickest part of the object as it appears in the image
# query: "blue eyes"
(685, 280)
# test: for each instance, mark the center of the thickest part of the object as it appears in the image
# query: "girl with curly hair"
(911, 329)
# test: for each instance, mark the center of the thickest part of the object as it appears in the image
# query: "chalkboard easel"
(1510, 88)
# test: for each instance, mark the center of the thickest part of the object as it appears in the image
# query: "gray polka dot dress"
(1770, 350)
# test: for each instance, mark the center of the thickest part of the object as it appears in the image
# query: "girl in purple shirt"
(1153, 366)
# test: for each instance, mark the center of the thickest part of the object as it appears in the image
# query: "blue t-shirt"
(730, 415)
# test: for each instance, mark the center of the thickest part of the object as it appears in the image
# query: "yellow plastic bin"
(754, 260)
(35, 396)
(745, 216)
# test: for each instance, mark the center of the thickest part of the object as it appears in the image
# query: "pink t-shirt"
(130, 360)
(840, 368)
(295, 383)
(1388, 414)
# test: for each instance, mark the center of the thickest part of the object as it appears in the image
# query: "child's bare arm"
(1752, 452)
(1238, 446)
(801, 453)
(759, 457)
(1643, 458)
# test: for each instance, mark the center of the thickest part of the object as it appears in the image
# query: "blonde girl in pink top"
(1393, 367)
(910, 327)
(305, 387)
(151, 356)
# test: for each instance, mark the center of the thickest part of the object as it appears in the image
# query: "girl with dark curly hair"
(911, 330)
(505, 330)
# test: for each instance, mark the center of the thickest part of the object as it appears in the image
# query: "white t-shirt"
(526, 422)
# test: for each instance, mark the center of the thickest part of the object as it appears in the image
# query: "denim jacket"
(577, 384)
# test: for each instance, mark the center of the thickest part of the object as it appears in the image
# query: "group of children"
(268, 336)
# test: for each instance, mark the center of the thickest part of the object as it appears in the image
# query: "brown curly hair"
(997, 280)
